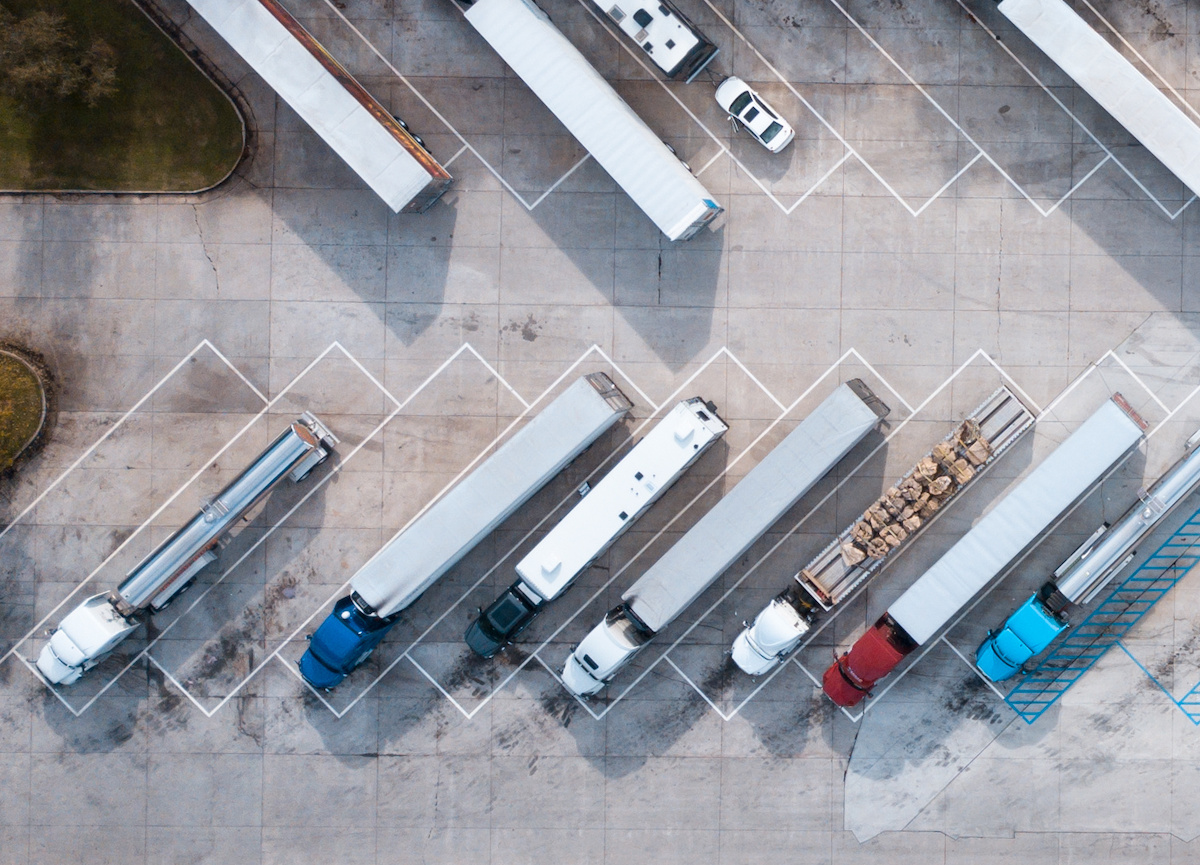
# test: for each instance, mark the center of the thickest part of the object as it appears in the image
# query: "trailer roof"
(1015, 522)
(1124, 92)
(326, 96)
(431, 544)
(619, 498)
(616, 137)
(763, 496)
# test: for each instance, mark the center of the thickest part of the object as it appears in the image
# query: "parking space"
(97, 518)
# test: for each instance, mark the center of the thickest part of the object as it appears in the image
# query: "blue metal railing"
(1087, 642)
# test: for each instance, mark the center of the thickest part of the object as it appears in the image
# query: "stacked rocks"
(902, 509)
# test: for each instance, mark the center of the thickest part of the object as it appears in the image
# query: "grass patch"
(168, 128)
(22, 404)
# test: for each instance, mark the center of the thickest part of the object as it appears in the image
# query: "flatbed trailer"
(724, 534)
(982, 554)
(877, 535)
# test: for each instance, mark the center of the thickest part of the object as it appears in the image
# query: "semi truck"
(892, 522)
(1129, 96)
(92, 630)
(979, 556)
(617, 138)
(672, 42)
(724, 534)
(594, 524)
(435, 541)
(377, 146)
(1030, 630)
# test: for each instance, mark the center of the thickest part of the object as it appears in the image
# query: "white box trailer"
(982, 553)
(620, 141)
(592, 526)
(1124, 92)
(94, 628)
(377, 146)
(724, 534)
(451, 527)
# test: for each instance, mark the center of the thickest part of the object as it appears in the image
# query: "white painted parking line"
(145, 652)
(170, 499)
(972, 667)
(204, 343)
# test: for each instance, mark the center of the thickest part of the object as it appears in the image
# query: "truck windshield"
(506, 614)
(771, 131)
(624, 627)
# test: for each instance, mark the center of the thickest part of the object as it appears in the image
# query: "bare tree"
(40, 59)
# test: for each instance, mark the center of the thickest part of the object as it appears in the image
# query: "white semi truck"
(415, 558)
(377, 146)
(1124, 92)
(1035, 624)
(620, 141)
(93, 629)
(724, 534)
(592, 526)
(979, 556)
(865, 546)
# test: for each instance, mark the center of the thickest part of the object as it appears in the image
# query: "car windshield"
(740, 103)
(771, 131)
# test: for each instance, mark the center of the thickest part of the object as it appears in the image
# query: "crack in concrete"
(204, 247)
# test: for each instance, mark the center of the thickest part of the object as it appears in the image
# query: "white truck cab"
(84, 637)
(604, 651)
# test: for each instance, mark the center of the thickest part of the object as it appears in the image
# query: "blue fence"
(1087, 641)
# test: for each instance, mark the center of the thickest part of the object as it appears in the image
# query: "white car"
(751, 111)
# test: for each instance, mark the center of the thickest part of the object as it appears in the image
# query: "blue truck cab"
(343, 641)
(1027, 632)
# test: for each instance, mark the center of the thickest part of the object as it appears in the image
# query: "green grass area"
(168, 128)
(21, 405)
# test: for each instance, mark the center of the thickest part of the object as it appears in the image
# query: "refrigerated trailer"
(980, 555)
(620, 141)
(1030, 630)
(377, 146)
(864, 547)
(1124, 92)
(724, 534)
(592, 526)
(451, 527)
(94, 628)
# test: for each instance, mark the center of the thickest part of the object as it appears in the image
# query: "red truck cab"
(875, 654)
